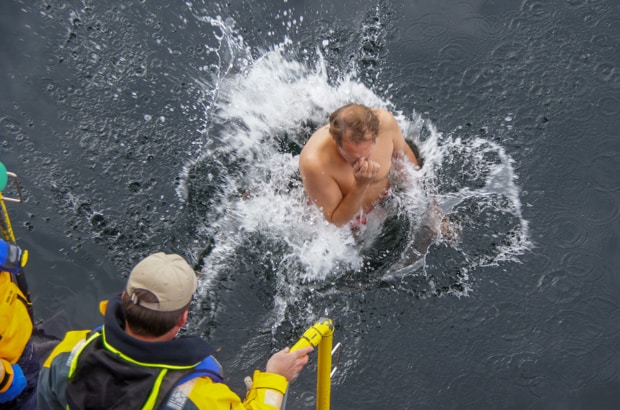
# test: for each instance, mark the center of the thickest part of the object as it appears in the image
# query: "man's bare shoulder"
(316, 143)
(381, 112)
(386, 119)
(314, 151)
(320, 134)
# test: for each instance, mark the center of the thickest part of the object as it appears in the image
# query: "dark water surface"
(133, 128)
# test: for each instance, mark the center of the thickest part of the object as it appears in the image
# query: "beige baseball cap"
(168, 277)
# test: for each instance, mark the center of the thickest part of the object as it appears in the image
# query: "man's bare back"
(345, 164)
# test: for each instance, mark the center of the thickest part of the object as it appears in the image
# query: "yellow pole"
(321, 335)
(324, 369)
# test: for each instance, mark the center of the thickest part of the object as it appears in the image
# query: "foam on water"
(245, 190)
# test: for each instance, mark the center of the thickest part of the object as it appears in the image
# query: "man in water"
(136, 360)
(345, 164)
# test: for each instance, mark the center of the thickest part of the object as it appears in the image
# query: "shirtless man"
(345, 164)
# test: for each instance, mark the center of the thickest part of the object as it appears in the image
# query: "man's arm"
(326, 194)
(398, 139)
(266, 389)
(406, 149)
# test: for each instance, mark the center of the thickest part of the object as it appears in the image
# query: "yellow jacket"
(15, 327)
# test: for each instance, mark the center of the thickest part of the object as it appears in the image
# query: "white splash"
(275, 99)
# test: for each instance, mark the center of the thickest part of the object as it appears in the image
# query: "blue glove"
(17, 387)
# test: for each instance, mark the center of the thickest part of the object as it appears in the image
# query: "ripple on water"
(427, 33)
(480, 76)
(559, 286)
(604, 364)
(513, 327)
(468, 387)
(604, 304)
(613, 328)
(607, 367)
(590, 20)
(565, 170)
(609, 105)
(458, 49)
(570, 232)
(603, 42)
(576, 85)
(507, 50)
(438, 313)
(604, 175)
(535, 9)
(11, 125)
(578, 60)
(583, 265)
(582, 113)
(578, 332)
(575, 4)
(521, 366)
(493, 26)
(518, 23)
(601, 208)
(536, 262)
(605, 71)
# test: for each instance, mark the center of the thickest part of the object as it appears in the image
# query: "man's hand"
(365, 171)
(287, 363)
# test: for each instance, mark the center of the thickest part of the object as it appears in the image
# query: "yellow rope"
(5, 226)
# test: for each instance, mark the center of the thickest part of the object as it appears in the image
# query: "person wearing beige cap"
(136, 360)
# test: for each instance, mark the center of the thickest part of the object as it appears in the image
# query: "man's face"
(354, 151)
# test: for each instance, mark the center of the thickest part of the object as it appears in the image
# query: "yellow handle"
(313, 336)
(320, 334)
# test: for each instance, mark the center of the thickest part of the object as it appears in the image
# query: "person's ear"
(183, 318)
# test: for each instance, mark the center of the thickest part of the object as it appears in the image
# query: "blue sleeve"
(17, 385)
(209, 367)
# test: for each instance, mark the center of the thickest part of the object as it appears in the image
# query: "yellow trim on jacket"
(71, 339)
